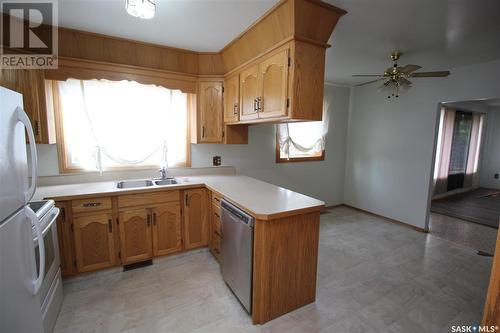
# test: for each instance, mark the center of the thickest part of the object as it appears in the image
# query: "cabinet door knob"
(235, 108)
(203, 131)
(148, 220)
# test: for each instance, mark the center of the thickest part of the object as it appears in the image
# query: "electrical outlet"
(495, 176)
(217, 160)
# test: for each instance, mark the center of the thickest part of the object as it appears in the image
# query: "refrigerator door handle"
(37, 283)
(24, 119)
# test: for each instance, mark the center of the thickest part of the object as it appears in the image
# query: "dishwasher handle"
(236, 212)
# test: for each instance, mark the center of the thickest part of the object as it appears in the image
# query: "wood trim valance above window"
(88, 70)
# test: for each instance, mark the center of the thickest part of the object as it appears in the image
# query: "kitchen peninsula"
(104, 226)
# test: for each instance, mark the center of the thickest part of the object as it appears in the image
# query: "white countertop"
(261, 199)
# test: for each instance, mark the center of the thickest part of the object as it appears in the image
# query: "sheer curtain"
(471, 174)
(444, 147)
(443, 150)
(109, 124)
(304, 138)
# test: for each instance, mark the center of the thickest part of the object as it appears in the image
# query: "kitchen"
(158, 200)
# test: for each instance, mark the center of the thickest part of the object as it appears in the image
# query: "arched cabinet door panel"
(166, 229)
(273, 77)
(249, 92)
(195, 218)
(210, 112)
(135, 235)
(94, 241)
(231, 98)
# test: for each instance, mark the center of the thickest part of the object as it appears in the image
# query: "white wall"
(490, 163)
(390, 142)
(322, 179)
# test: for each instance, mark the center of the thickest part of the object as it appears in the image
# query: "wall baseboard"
(383, 217)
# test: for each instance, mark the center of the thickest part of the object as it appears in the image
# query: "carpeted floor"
(474, 206)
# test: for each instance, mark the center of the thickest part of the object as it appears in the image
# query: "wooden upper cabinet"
(231, 98)
(167, 229)
(249, 91)
(210, 112)
(94, 241)
(273, 86)
(195, 218)
(135, 235)
(31, 84)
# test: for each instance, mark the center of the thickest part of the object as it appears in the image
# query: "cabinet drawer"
(216, 245)
(90, 205)
(149, 199)
(216, 197)
(216, 221)
(216, 209)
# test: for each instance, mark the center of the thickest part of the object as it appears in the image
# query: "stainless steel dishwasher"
(237, 252)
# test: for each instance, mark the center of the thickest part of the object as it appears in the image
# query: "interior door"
(249, 91)
(135, 235)
(94, 241)
(210, 111)
(273, 78)
(196, 218)
(231, 99)
(167, 228)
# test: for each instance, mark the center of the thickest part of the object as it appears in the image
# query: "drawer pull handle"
(217, 233)
(110, 226)
(217, 215)
(91, 204)
(217, 199)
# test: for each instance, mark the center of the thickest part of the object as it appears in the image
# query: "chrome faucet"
(163, 173)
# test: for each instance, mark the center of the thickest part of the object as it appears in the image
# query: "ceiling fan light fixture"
(144, 9)
(397, 77)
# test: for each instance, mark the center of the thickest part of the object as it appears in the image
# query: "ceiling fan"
(396, 78)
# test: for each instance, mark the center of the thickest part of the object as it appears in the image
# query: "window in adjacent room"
(302, 141)
(106, 125)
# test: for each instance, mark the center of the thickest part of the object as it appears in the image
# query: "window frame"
(54, 103)
(280, 159)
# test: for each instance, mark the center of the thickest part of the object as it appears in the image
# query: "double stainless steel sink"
(146, 183)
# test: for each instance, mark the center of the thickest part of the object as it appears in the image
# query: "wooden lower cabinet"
(215, 227)
(94, 241)
(167, 229)
(195, 218)
(135, 235)
(65, 240)
(101, 232)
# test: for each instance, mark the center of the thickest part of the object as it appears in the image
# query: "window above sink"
(111, 125)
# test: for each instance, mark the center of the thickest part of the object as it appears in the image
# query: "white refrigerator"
(19, 280)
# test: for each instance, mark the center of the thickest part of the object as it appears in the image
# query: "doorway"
(464, 199)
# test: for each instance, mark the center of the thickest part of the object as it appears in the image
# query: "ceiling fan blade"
(409, 68)
(431, 74)
(367, 75)
(365, 83)
(404, 81)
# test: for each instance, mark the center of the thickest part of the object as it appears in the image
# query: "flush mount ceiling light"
(141, 8)
(396, 78)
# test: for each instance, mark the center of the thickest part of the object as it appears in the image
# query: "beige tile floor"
(476, 236)
(373, 276)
